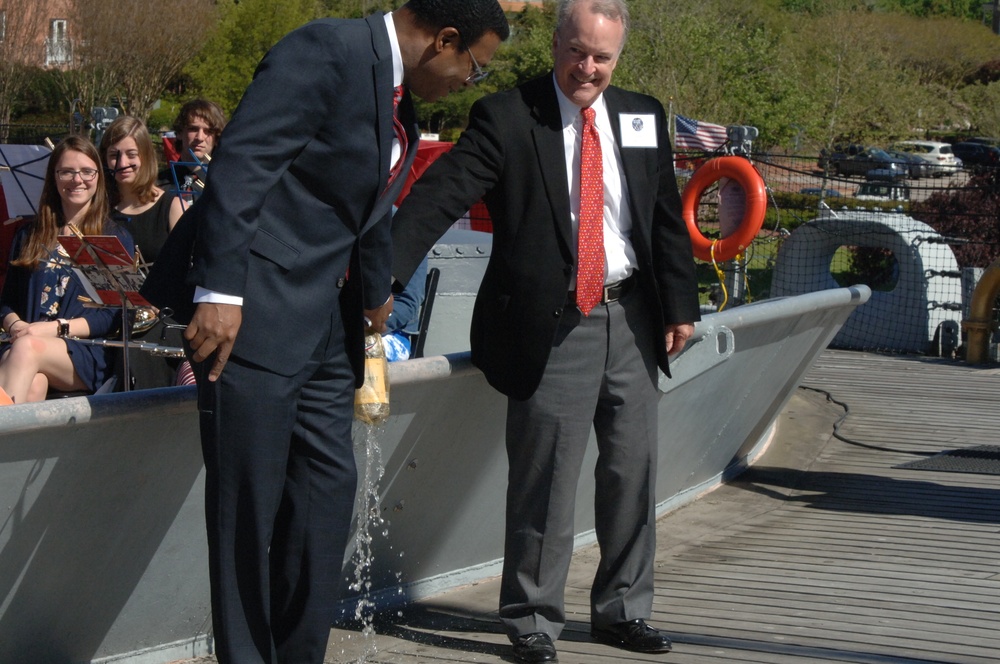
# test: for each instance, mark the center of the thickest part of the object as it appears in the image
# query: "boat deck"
(826, 550)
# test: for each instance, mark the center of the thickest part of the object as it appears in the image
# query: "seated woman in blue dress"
(42, 304)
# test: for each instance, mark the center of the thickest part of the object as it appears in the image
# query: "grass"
(760, 259)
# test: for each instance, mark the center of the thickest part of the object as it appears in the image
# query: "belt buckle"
(617, 287)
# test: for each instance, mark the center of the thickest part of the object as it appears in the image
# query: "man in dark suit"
(292, 250)
(567, 360)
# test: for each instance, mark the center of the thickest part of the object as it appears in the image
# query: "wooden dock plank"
(824, 551)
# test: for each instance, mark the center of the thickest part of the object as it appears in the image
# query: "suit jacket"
(296, 194)
(512, 156)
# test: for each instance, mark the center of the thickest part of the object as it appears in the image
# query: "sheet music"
(106, 269)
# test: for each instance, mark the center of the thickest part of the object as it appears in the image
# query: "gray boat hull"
(102, 548)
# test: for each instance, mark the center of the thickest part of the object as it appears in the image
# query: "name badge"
(638, 130)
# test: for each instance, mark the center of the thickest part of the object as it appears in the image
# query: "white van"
(941, 160)
(883, 191)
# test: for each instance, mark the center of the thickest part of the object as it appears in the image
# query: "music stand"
(194, 179)
(110, 275)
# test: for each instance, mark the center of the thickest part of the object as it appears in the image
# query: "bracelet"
(63, 327)
(10, 328)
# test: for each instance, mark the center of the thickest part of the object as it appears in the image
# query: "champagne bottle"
(371, 400)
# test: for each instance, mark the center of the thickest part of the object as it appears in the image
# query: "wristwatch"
(63, 327)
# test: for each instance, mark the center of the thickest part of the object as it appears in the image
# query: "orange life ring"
(743, 173)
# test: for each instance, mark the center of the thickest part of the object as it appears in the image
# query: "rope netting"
(921, 245)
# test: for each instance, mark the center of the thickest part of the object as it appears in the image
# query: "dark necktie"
(590, 245)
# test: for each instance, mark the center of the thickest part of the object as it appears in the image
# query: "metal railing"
(32, 134)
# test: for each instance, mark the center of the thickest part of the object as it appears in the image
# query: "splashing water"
(369, 521)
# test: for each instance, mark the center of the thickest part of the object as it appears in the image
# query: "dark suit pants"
(280, 487)
(602, 372)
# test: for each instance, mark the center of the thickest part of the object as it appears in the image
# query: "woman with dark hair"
(42, 305)
(144, 209)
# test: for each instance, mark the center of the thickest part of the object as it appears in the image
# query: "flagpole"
(672, 129)
(671, 132)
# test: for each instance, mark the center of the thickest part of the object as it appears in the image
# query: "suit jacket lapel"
(549, 148)
(382, 73)
(633, 160)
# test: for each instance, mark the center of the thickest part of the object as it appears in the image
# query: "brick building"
(37, 32)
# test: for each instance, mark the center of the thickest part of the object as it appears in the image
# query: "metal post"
(735, 271)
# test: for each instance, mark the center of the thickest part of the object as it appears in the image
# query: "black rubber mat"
(982, 459)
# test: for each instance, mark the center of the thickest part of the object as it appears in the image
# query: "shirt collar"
(570, 112)
(397, 54)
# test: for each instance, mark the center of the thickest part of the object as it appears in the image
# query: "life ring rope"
(743, 172)
(721, 276)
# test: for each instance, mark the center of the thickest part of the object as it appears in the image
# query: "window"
(57, 46)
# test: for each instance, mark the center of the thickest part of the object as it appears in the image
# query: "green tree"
(527, 54)
(822, 71)
(357, 8)
(982, 104)
(715, 62)
(226, 63)
(968, 9)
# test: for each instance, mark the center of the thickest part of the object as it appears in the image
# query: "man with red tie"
(292, 250)
(590, 286)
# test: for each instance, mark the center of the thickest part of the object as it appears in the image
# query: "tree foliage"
(967, 212)
(132, 66)
(806, 73)
(22, 21)
(226, 61)
(527, 54)
(813, 71)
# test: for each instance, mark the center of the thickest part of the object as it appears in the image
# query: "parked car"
(819, 191)
(883, 191)
(938, 155)
(995, 142)
(916, 167)
(836, 153)
(870, 162)
(977, 156)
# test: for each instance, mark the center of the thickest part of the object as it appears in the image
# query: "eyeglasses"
(478, 73)
(67, 175)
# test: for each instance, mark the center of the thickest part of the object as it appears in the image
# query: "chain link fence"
(32, 134)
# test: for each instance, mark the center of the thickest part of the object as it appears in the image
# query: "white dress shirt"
(619, 256)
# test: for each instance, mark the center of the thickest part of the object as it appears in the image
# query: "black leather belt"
(612, 292)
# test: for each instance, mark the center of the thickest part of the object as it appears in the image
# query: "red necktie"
(397, 96)
(590, 246)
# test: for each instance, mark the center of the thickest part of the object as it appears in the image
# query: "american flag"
(694, 136)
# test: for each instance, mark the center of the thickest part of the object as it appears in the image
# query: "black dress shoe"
(534, 647)
(633, 635)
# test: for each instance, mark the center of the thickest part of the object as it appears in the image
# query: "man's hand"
(378, 317)
(213, 329)
(677, 335)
